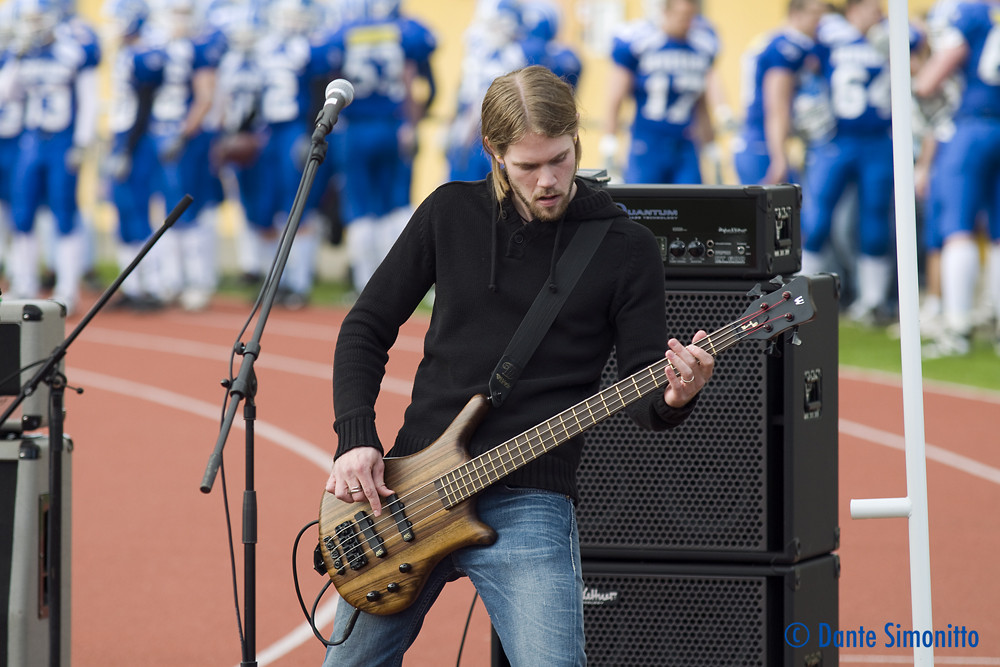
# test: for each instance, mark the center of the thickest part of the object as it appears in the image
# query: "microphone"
(339, 93)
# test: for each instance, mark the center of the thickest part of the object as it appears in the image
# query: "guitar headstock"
(787, 307)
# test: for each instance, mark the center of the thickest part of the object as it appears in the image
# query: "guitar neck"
(472, 477)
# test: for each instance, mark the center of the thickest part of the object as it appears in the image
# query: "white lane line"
(307, 330)
(933, 452)
(275, 434)
(174, 400)
(220, 353)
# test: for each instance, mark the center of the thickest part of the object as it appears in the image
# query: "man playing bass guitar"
(487, 248)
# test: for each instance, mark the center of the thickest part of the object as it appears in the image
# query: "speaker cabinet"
(718, 615)
(751, 476)
(25, 504)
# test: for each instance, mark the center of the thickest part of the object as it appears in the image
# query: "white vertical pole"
(909, 304)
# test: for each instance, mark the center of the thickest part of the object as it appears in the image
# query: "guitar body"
(389, 583)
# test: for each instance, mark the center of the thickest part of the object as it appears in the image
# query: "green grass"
(874, 348)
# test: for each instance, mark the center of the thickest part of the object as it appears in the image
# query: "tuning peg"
(795, 336)
(778, 280)
(772, 349)
(756, 291)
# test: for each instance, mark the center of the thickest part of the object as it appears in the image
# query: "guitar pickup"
(376, 543)
(331, 547)
(396, 506)
(348, 539)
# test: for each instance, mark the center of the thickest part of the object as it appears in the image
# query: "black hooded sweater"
(487, 265)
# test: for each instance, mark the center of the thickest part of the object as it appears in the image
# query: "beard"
(536, 210)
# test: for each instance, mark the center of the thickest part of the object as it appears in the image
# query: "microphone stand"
(50, 374)
(244, 387)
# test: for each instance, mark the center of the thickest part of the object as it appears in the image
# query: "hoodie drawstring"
(555, 253)
(493, 249)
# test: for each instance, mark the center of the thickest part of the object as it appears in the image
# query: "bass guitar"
(380, 564)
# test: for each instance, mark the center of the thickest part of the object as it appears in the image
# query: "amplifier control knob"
(696, 248)
(678, 248)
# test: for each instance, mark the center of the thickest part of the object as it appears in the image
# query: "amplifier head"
(719, 231)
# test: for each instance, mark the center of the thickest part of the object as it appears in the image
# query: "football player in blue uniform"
(131, 167)
(541, 20)
(666, 71)
(54, 68)
(294, 60)
(495, 44)
(236, 152)
(375, 138)
(11, 124)
(968, 166)
(665, 68)
(934, 126)
(774, 69)
(860, 152)
(183, 130)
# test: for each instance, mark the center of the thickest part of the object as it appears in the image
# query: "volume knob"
(696, 248)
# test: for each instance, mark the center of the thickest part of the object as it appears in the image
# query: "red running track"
(151, 582)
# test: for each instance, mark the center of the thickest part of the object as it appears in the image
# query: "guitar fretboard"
(472, 477)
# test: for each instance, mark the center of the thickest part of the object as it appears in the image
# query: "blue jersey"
(857, 74)
(669, 77)
(373, 55)
(290, 65)
(240, 85)
(182, 58)
(563, 61)
(11, 109)
(11, 124)
(134, 68)
(785, 49)
(975, 25)
(47, 78)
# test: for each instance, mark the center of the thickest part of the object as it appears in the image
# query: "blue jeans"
(530, 581)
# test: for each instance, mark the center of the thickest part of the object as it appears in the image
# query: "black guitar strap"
(543, 310)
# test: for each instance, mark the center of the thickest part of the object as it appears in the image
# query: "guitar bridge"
(348, 539)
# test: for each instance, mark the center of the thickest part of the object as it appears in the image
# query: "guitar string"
(732, 333)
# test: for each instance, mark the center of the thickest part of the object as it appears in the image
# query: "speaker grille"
(665, 620)
(703, 485)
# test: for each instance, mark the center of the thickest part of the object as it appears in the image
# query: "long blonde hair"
(528, 100)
